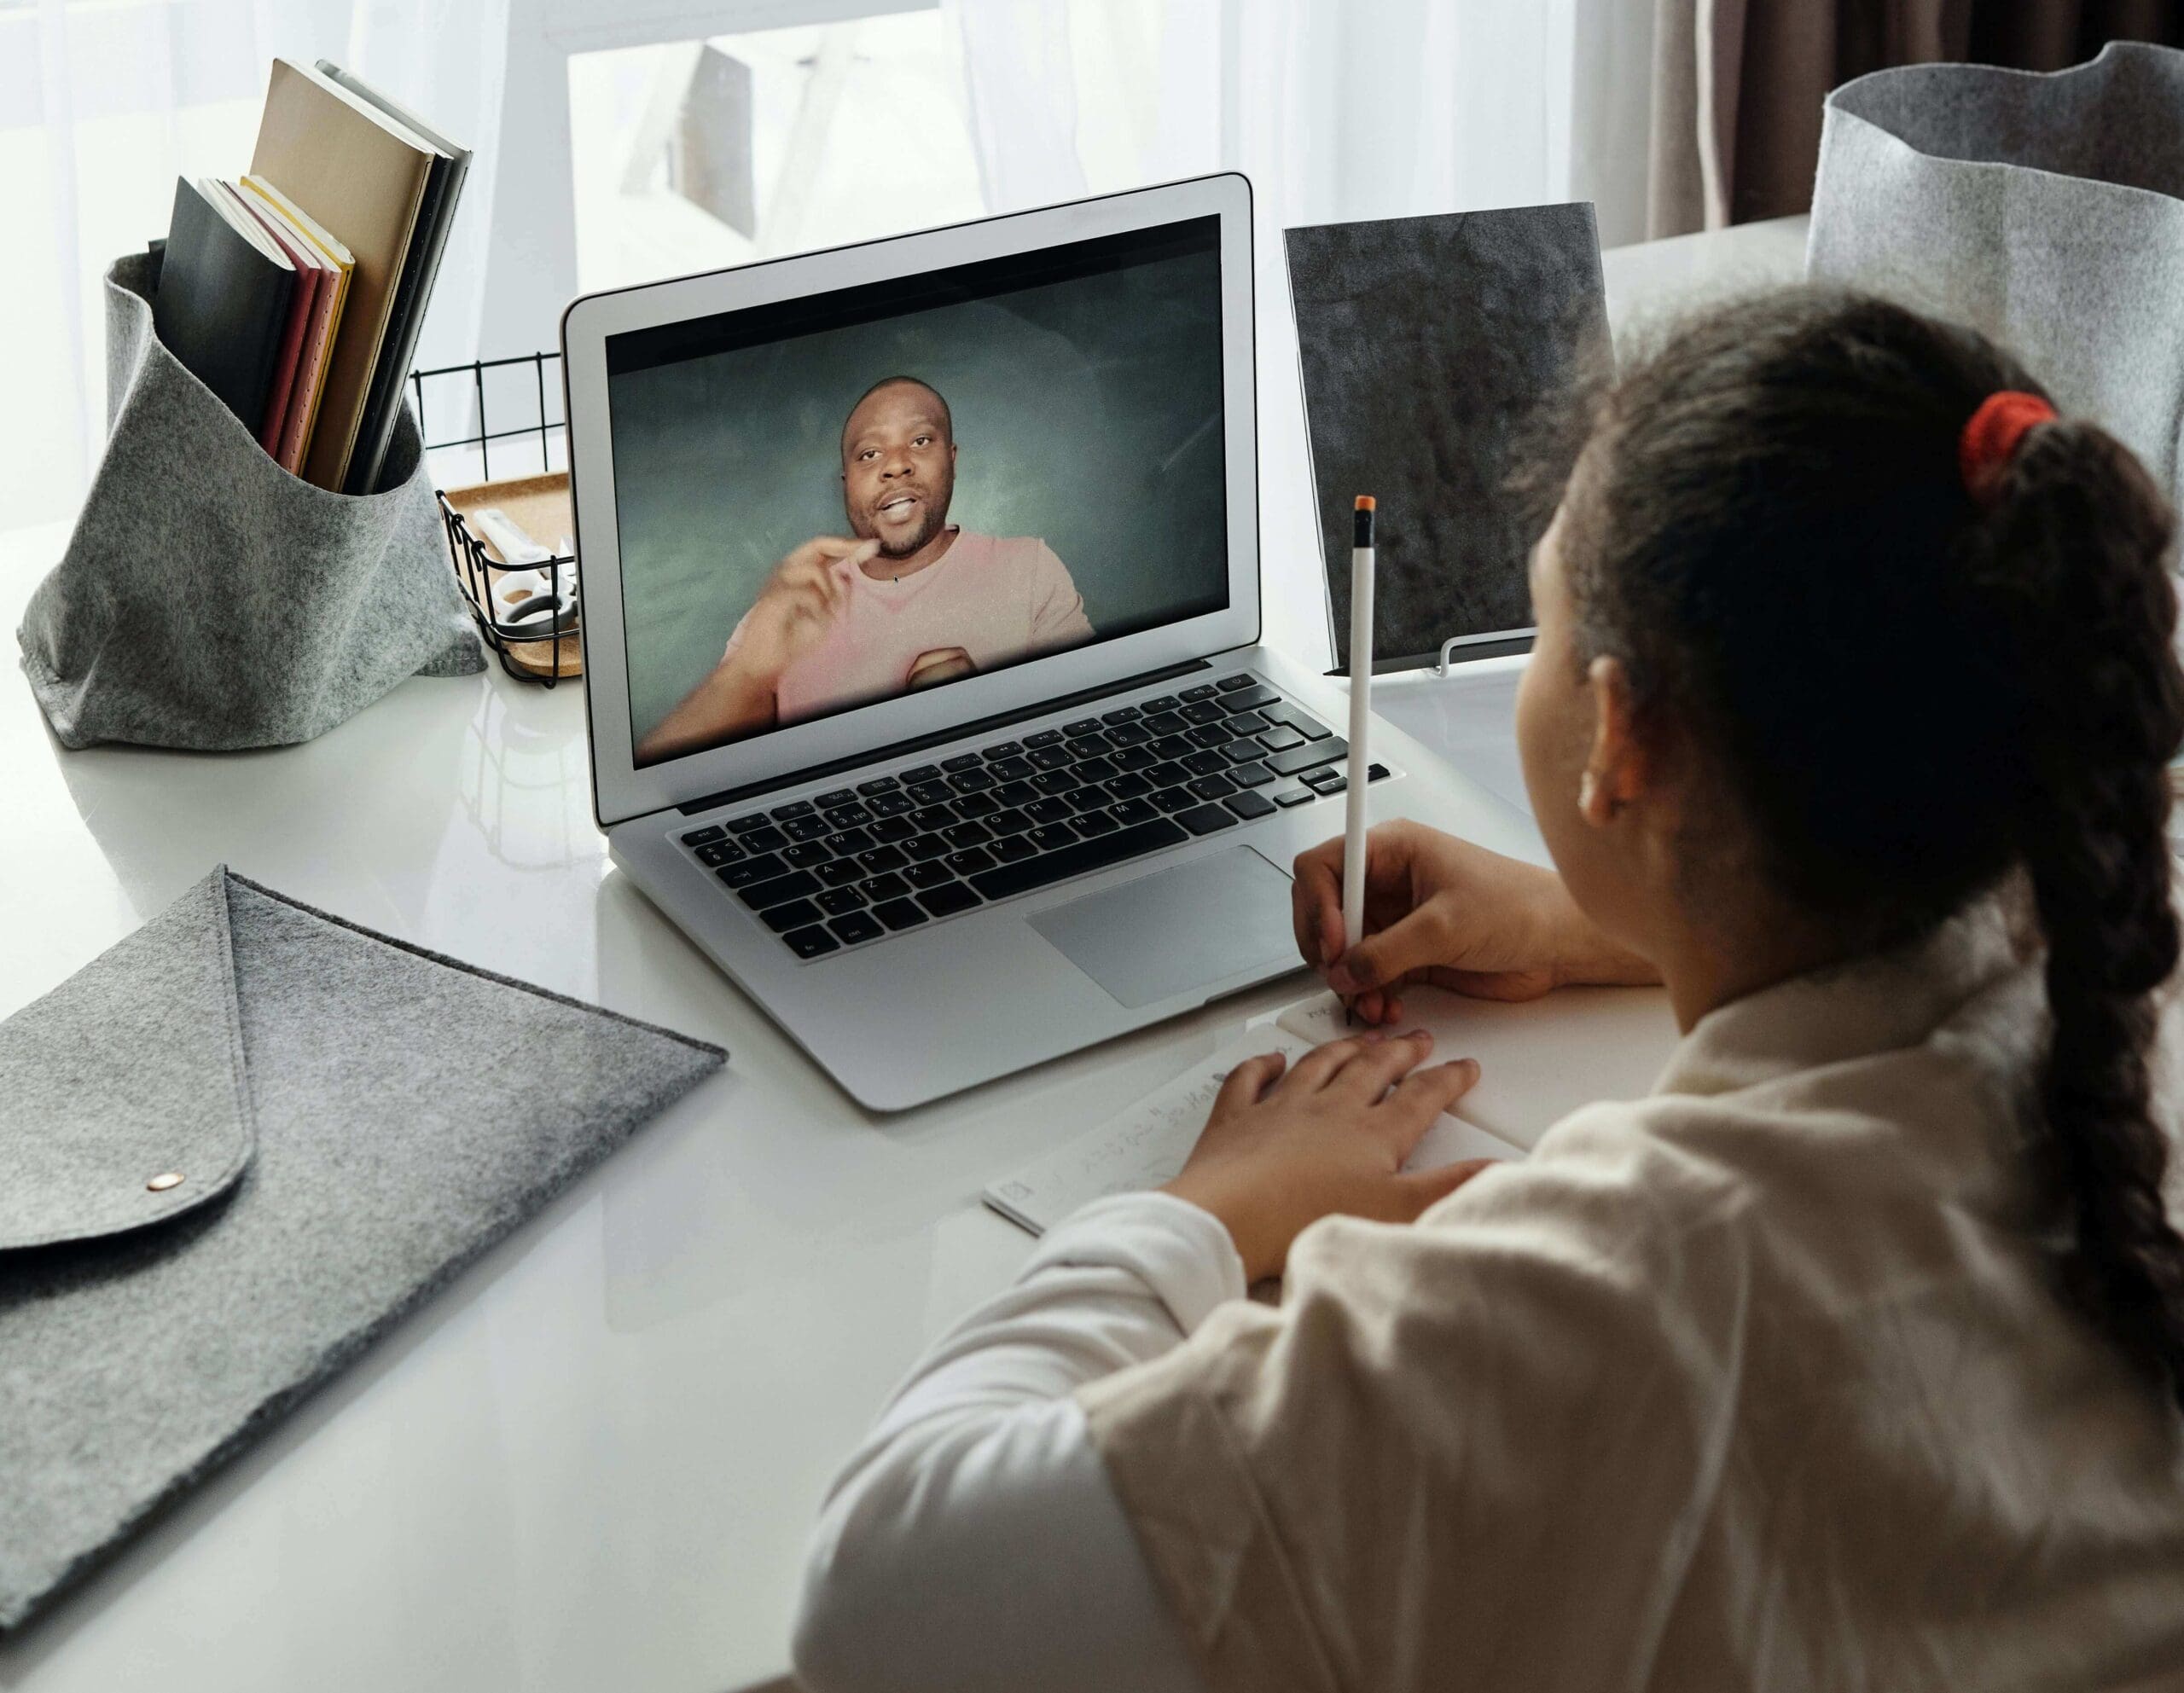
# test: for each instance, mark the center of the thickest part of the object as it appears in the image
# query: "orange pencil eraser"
(1365, 502)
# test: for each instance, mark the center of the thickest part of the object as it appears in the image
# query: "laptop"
(922, 613)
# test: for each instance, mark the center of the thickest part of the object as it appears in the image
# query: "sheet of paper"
(1147, 1145)
(1539, 1060)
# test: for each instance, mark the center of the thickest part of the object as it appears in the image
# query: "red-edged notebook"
(292, 333)
(292, 426)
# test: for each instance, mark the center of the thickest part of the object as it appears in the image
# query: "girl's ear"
(1618, 770)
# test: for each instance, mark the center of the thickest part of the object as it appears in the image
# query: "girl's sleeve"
(974, 1541)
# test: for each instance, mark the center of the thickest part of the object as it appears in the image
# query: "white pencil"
(1360, 715)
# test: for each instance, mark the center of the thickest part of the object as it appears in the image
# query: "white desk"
(592, 1462)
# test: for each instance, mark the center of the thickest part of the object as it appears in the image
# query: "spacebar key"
(1080, 860)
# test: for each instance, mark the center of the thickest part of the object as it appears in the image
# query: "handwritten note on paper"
(1147, 1145)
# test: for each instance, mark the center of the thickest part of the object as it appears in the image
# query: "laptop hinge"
(690, 808)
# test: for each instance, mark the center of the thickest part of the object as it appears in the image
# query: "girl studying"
(1852, 1355)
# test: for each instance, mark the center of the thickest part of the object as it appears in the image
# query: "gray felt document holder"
(207, 598)
(2047, 211)
(239, 1146)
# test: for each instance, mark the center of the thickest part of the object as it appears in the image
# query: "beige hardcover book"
(303, 408)
(348, 167)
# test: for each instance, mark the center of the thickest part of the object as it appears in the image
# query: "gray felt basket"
(2047, 211)
(210, 600)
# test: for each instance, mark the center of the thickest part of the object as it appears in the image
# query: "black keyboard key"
(768, 839)
(1294, 761)
(744, 826)
(1318, 778)
(1160, 702)
(1167, 775)
(1331, 781)
(1247, 723)
(1374, 772)
(1241, 752)
(793, 810)
(812, 942)
(879, 785)
(1129, 785)
(1079, 859)
(1055, 781)
(803, 855)
(1202, 711)
(882, 858)
(1014, 769)
(1251, 698)
(948, 901)
(806, 828)
(922, 847)
(698, 837)
(1052, 837)
(1044, 738)
(1131, 811)
(1248, 804)
(1230, 684)
(838, 873)
(933, 875)
(1016, 793)
(1203, 691)
(847, 842)
(892, 804)
(1279, 736)
(1250, 775)
(1302, 722)
(919, 773)
(858, 925)
(1163, 723)
(973, 781)
(1204, 765)
(762, 868)
(928, 818)
(1095, 770)
(847, 817)
(1046, 810)
(899, 914)
(1210, 736)
(968, 834)
(1172, 800)
(970, 859)
(1212, 787)
(1089, 746)
(1291, 793)
(1204, 820)
(1011, 848)
(962, 761)
(778, 889)
(1134, 758)
(1010, 822)
(833, 798)
(1092, 798)
(1129, 734)
(1004, 749)
(836, 901)
(1048, 757)
(1082, 726)
(1121, 714)
(790, 914)
(934, 792)
(1094, 823)
(977, 805)
(892, 831)
(715, 853)
(1171, 746)
(881, 889)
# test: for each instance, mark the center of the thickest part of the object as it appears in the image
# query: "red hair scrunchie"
(1991, 438)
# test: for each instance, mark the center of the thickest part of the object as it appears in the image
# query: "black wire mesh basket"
(524, 591)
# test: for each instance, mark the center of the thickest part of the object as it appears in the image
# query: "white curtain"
(103, 105)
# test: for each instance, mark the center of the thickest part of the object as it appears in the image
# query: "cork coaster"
(540, 506)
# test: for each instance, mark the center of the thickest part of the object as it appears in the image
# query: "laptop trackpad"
(1204, 922)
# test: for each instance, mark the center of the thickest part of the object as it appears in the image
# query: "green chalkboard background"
(1087, 413)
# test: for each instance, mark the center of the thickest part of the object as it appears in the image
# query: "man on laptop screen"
(907, 600)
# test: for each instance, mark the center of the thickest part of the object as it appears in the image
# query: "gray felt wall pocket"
(2047, 211)
(210, 600)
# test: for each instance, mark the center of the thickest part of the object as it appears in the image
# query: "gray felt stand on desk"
(354, 1120)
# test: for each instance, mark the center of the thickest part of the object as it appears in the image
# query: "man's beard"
(933, 520)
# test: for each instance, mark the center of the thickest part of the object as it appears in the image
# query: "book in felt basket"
(210, 600)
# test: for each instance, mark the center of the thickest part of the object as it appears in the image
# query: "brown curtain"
(1738, 84)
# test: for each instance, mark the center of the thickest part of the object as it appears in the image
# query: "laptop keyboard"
(857, 864)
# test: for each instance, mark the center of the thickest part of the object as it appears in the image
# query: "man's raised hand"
(798, 604)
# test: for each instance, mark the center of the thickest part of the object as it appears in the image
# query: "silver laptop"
(921, 636)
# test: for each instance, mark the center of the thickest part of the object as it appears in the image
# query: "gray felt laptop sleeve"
(351, 1120)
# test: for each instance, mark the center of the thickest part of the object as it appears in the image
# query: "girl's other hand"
(1287, 1146)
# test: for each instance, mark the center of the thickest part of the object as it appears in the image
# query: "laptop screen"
(828, 502)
